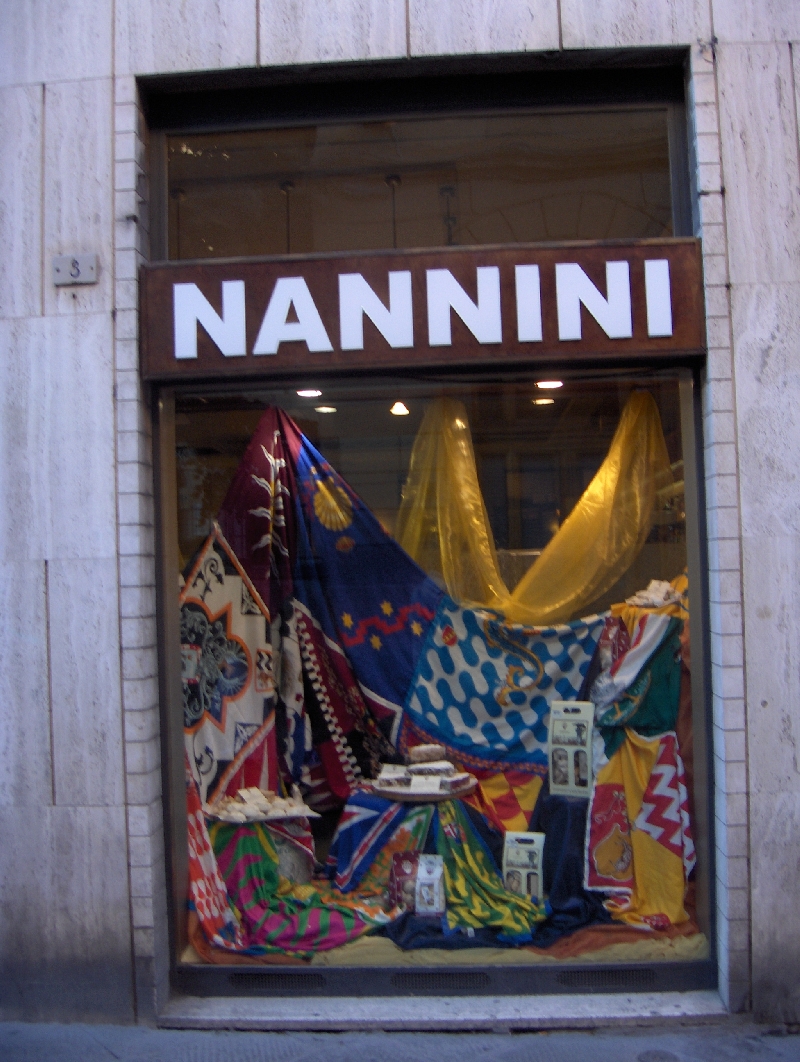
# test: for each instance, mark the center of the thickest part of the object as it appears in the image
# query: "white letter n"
(357, 300)
(482, 318)
(191, 307)
(613, 314)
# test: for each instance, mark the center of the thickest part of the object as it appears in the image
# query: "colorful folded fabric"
(350, 609)
(365, 592)
(227, 676)
(276, 915)
(366, 827)
(483, 688)
(474, 892)
(650, 704)
(207, 893)
(506, 799)
(631, 614)
(626, 666)
(639, 844)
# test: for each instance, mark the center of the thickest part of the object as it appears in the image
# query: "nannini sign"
(428, 307)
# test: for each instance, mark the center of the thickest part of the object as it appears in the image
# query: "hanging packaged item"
(569, 747)
(416, 883)
(429, 893)
(522, 864)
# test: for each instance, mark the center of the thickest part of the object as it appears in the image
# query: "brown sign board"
(489, 305)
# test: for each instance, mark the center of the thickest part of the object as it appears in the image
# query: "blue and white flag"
(483, 688)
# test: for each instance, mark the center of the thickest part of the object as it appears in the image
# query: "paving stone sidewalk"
(728, 1041)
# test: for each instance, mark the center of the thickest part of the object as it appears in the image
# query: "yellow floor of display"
(379, 951)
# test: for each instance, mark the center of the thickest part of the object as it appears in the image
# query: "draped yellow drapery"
(444, 526)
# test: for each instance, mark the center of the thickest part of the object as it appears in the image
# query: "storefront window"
(431, 183)
(437, 689)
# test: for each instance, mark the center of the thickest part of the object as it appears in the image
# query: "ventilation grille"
(279, 983)
(605, 980)
(441, 983)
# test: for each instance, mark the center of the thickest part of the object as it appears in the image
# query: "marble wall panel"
(25, 767)
(774, 868)
(772, 642)
(630, 23)
(85, 682)
(21, 201)
(766, 326)
(78, 198)
(760, 162)
(54, 40)
(23, 466)
(162, 36)
(766, 20)
(65, 933)
(330, 30)
(77, 401)
(481, 26)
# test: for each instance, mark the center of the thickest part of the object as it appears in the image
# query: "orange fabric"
(506, 799)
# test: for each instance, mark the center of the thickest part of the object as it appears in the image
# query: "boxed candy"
(522, 864)
(416, 883)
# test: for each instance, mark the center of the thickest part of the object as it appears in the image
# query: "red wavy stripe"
(385, 626)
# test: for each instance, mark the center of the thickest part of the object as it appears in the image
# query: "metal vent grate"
(602, 980)
(279, 983)
(442, 983)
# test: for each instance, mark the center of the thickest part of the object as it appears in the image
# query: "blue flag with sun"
(363, 590)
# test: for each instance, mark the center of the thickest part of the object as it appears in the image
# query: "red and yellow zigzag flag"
(639, 844)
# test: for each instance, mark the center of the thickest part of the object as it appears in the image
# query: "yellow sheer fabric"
(443, 522)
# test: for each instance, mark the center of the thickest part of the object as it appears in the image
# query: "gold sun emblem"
(333, 507)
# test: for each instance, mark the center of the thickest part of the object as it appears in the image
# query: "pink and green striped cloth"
(276, 915)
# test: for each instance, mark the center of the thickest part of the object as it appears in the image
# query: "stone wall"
(82, 868)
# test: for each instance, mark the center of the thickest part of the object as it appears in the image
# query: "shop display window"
(440, 706)
(433, 182)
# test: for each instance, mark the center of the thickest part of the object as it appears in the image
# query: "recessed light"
(549, 385)
(310, 393)
(324, 409)
(544, 401)
(400, 409)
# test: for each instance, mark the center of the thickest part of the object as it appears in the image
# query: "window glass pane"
(482, 477)
(420, 183)
(536, 463)
(533, 461)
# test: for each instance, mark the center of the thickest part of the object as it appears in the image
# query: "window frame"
(171, 112)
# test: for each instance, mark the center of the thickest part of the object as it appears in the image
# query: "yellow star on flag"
(375, 642)
(416, 627)
(347, 620)
(386, 608)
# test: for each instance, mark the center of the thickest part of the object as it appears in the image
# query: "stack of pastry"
(259, 805)
(428, 774)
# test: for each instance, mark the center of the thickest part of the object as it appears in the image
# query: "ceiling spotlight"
(544, 401)
(549, 385)
(399, 409)
(311, 392)
(324, 409)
